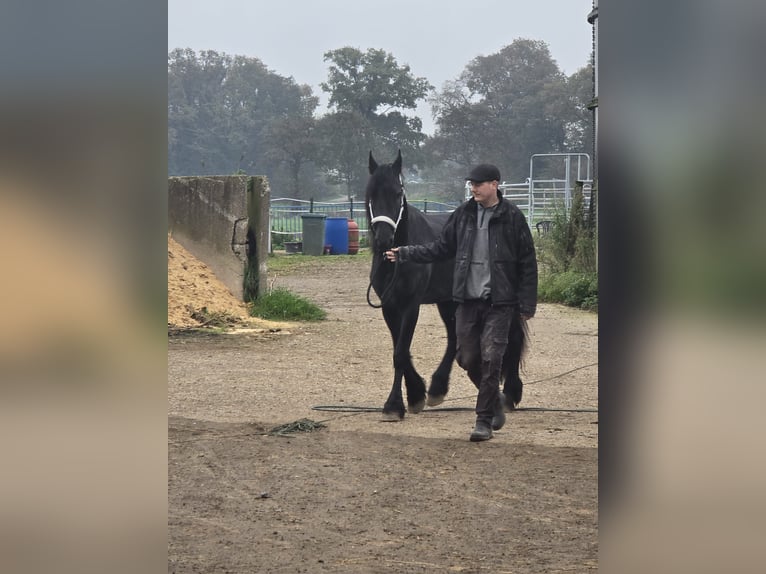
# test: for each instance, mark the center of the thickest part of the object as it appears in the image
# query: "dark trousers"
(482, 337)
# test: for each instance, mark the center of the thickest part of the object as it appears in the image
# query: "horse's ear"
(397, 165)
(373, 164)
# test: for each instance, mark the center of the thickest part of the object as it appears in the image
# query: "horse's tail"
(513, 361)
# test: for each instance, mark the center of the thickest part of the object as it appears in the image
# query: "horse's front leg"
(393, 409)
(440, 379)
(401, 324)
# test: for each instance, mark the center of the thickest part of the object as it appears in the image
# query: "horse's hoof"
(391, 417)
(435, 400)
(417, 407)
(508, 404)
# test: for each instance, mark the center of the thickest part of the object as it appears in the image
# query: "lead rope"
(387, 291)
(382, 218)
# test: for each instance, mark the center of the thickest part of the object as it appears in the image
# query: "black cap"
(484, 172)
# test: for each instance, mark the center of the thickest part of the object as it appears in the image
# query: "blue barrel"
(336, 235)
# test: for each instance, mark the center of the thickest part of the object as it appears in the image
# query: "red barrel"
(353, 237)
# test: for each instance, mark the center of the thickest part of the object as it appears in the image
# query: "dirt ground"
(361, 495)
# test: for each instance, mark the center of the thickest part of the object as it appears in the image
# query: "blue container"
(336, 235)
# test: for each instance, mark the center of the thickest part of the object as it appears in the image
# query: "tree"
(503, 108)
(344, 137)
(292, 141)
(368, 92)
(579, 130)
(366, 81)
(194, 110)
(227, 114)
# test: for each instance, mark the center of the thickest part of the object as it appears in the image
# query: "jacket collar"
(502, 207)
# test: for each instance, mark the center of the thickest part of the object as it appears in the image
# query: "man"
(495, 277)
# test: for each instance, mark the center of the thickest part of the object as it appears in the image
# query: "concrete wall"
(218, 220)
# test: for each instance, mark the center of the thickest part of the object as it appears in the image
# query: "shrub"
(277, 240)
(570, 288)
(567, 255)
(571, 243)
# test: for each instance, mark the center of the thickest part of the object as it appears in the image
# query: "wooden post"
(258, 200)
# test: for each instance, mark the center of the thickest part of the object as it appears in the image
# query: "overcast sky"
(436, 38)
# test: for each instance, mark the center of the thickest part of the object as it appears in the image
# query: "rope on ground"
(346, 409)
(562, 374)
(360, 409)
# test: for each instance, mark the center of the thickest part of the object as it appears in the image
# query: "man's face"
(484, 192)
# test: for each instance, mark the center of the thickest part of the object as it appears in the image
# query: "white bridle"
(384, 218)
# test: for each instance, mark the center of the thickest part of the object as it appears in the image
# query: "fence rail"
(541, 199)
(285, 213)
(538, 199)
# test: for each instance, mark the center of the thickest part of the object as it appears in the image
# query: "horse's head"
(385, 202)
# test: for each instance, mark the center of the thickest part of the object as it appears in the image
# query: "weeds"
(567, 255)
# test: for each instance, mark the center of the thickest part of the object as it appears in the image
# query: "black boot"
(482, 431)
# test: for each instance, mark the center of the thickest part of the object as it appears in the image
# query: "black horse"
(403, 287)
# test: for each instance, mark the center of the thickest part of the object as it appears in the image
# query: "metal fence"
(286, 223)
(540, 197)
(547, 195)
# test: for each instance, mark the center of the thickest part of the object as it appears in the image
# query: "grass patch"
(282, 305)
(282, 262)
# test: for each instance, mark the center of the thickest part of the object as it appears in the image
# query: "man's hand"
(391, 254)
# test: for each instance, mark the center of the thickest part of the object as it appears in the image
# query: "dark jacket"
(512, 258)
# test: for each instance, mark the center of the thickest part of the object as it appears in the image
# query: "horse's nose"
(383, 235)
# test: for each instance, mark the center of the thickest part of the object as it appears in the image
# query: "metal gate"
(550, 185)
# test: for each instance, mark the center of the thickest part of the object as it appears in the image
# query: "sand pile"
(196, 296)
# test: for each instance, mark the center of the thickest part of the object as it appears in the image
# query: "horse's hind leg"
(440, 379)
(513, 387)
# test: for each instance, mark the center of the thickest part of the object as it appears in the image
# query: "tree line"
(231, 114)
